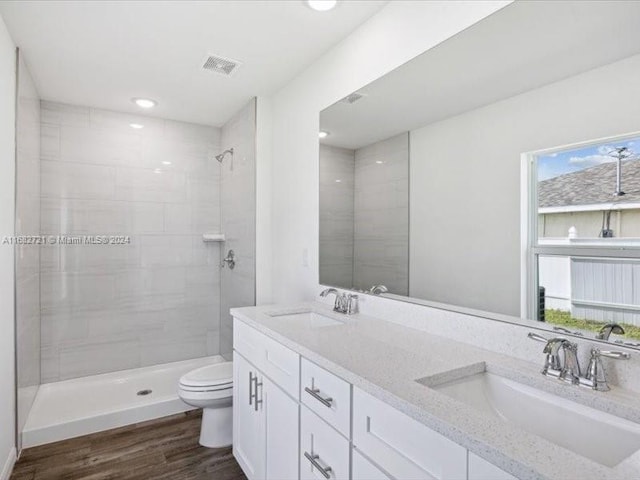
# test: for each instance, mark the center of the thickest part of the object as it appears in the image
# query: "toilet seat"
(211, 378)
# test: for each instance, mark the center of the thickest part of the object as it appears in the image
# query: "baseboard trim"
(8, 465)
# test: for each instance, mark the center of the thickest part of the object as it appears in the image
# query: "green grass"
(564, 319)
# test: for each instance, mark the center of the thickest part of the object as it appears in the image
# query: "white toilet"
(211, 388)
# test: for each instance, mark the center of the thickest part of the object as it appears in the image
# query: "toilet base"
(217, 427)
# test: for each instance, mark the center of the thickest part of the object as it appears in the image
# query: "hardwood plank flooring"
(163, 449)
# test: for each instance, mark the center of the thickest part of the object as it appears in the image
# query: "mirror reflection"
(507, 183)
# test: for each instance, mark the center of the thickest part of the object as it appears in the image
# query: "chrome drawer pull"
(250, 388)
(315, 393)
(314, 461)
(255, 393)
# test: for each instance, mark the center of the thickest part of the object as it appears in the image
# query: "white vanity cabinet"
(295, 420)
(265, 417)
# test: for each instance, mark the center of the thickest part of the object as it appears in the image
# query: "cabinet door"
(363, 469)
(281, 413)
(248, 421)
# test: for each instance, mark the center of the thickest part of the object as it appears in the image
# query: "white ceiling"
(519, 48)
(103, 53)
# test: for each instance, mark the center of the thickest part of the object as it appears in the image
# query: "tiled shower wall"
(156, 299)
(381, 229)
(337, 170)
(27, 256)
(238, 286)
(364, 215)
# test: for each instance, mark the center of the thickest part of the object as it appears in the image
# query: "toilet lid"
(218, 374)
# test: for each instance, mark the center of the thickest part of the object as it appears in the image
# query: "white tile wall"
(336, 215)
(157, 300)
(238, 202)
(381, 226)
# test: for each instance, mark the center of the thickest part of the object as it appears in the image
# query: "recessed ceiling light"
(144, 102)
(157, 170)
(322, 134)
(322, 5)
(379, 162)
(137, 126)
(166, 162)
(338, 181)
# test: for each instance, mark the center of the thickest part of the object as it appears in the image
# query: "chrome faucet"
(569, 369)
(346, 303)
(378, 289)
(606, 331)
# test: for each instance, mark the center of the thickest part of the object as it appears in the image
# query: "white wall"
(7, 208)
(467, 251)
(399, 32)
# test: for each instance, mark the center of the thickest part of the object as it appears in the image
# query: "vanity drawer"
(480, 469)
(403, 447)
(321, 447)
(276, 361)
(327, 395)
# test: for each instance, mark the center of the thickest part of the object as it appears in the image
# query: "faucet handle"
(595, 376)
(537, 338)
(611, 354)
(552, 364)
(564, 330)
(352, 304)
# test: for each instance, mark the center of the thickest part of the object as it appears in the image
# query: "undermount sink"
(599, 436)
(307, 317)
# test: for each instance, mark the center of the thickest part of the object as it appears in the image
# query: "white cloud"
(605, 149)
(591, 160)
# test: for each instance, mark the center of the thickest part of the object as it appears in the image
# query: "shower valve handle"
(229, 260)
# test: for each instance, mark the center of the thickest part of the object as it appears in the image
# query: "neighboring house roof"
(595, 185)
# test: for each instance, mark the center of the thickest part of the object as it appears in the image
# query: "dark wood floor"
(164, 449)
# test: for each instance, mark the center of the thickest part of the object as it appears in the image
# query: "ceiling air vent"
(352, 98)
(221, 65)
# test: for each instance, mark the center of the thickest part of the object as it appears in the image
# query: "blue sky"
(559, 163)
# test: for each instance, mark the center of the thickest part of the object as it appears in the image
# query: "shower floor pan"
(80, 406)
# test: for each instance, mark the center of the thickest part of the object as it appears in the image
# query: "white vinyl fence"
(600, 289)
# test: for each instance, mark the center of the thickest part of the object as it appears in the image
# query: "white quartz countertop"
(385, 360)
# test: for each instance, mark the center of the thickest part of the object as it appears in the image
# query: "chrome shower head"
(221, 156)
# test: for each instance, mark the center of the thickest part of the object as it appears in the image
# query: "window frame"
(532, 249)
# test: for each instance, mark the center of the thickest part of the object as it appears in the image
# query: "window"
(581, 261)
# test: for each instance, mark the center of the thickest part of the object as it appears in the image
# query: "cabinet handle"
(315, 393)
(250, 388)
(255, 393)
(314, 461)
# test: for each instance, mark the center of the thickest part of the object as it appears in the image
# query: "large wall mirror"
(498, 171)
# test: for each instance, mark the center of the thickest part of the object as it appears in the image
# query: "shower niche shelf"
(213, 237)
